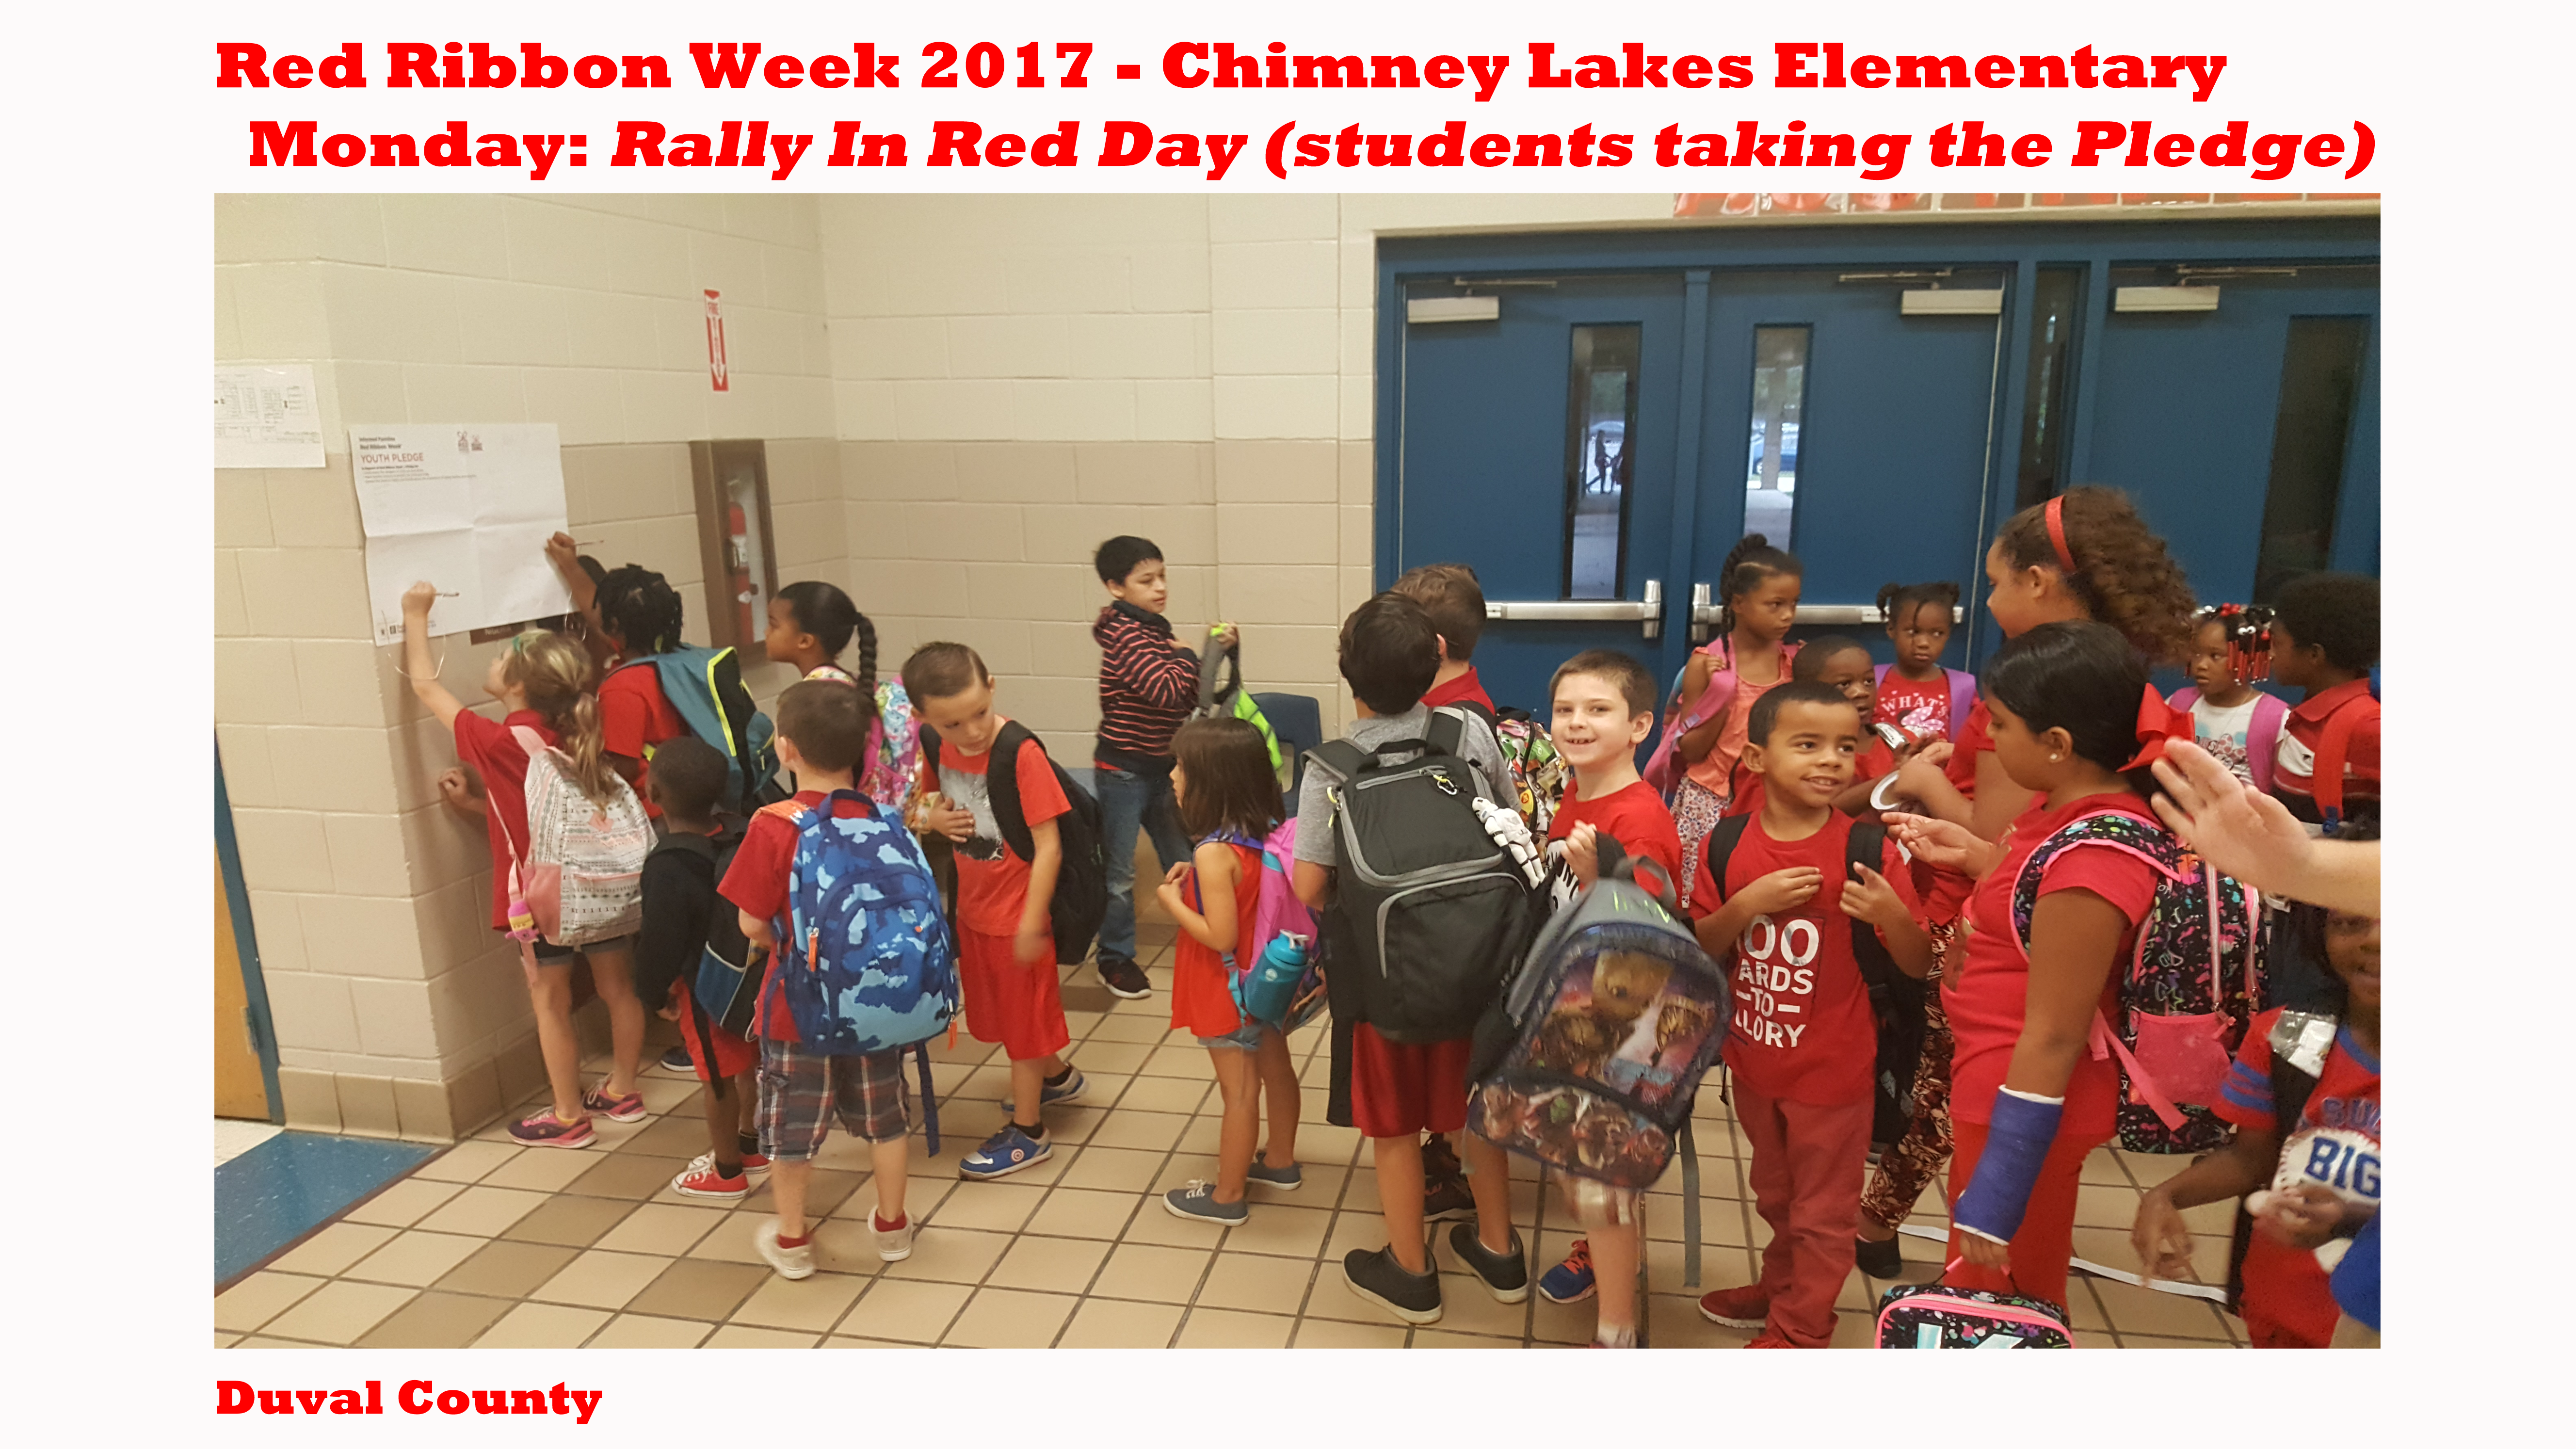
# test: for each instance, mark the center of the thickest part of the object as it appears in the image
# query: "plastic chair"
(1298, 721)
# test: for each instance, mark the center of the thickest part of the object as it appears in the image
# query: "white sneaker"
(893, 1246)
(791, 1263)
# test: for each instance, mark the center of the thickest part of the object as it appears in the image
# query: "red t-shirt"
(2295, 760)
(634, 716)
(991, 890)
(2284, 1283)
(1919, 707)
(1464, 689)
(1634, 815)
(1202, 1003)
(496, 754)
(1802, 1030)
(1986, 993)
(1969, 741)
(763, 867)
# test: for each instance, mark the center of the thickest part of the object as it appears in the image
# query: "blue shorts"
(1244, 1038)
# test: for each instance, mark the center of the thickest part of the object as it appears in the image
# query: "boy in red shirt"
(1006, 966)
(823, 737)
(2325, 638)
(1450, 594)
(1802, 1046)
(1602, 707)
(2328, 1151)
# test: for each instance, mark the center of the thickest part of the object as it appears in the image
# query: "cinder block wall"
(398, 1010)
(961, 396)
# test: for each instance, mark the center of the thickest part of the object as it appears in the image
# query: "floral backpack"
(2188, 993)
(895, 763)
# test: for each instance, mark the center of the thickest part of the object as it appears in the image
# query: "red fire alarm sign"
(715, 342)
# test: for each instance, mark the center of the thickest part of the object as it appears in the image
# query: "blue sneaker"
(1050, 1093)
(1286, 1179)
(1197, 1202)
(1004, 1153)
(1570, 1281)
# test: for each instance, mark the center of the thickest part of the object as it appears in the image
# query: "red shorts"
(1022, 1007)
(732, 1055)
(1398, 1090)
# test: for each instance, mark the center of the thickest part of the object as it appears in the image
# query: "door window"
(1601, 422)
(1771, 456)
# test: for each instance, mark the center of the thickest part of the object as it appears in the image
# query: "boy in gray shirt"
(1390, 653)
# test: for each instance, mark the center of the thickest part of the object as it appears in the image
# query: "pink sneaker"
(545, 1129)
(628, 1108)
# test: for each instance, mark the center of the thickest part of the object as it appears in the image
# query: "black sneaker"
(1125, 979)
(1439, 1159)
(1377, 1277)
(1448, 1200)
(1504, 1274)
(676, 1061)
(1878, 1260)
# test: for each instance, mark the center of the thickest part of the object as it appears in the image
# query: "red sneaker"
(703, 1182)
(1745, 1307)
(1770, 1340)
(545, 1129)
(753, 1164)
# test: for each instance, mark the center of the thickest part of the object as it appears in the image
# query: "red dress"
(1202, 1002)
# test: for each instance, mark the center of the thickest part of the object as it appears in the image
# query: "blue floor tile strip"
(293, 1183)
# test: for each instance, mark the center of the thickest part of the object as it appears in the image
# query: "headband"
(2057, 534)
(2157, 724)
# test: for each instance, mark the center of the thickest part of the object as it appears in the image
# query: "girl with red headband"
(2076, 726)
(2085, 554)
(2082, 555)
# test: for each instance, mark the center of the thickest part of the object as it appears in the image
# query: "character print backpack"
(582, 880)
(1538, 775)
(1931, 1315)
(1592, 1060)
(2188, 992)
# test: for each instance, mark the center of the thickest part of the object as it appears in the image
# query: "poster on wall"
(466, 506)
(265, 417)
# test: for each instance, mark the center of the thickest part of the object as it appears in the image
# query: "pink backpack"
(1279, 912)
(1666, 768)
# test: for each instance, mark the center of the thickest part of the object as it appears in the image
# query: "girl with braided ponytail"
(543, 681)
(1694, 761)
(632, 613)
(810, 623)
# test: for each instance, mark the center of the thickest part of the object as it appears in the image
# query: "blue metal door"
(2218, 421)
(1890, 448)
(1539, 447)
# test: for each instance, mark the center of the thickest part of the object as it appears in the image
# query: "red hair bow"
(2157, 723)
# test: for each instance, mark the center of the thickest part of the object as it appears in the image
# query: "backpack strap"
(2263, 738)
(1721, 848)
(1963, 698)
(1447, 734)
(1878, 969)
(2334, 745)
(1002, 782)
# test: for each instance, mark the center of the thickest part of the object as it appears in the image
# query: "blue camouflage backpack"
(866, 963)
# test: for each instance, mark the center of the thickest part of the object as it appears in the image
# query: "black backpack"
(723, 985)
(1081, 898)
(1429, 913)
(1896, 1000)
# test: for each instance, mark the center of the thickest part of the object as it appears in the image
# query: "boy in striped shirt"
(1149, 684)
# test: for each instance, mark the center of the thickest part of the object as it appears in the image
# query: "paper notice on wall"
(266, 417)
(467, 507)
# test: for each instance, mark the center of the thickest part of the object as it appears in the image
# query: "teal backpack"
(705, 686)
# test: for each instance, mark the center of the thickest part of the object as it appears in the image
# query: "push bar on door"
(1647, 612)
(1704, 614)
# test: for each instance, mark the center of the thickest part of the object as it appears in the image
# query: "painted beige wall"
(961, 396)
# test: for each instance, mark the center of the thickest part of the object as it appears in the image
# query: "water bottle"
(1272, 988)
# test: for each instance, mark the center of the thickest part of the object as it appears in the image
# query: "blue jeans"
(1128, 801)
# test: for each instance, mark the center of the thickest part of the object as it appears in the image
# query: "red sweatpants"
(2046, 1238)
(1808, 1166)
